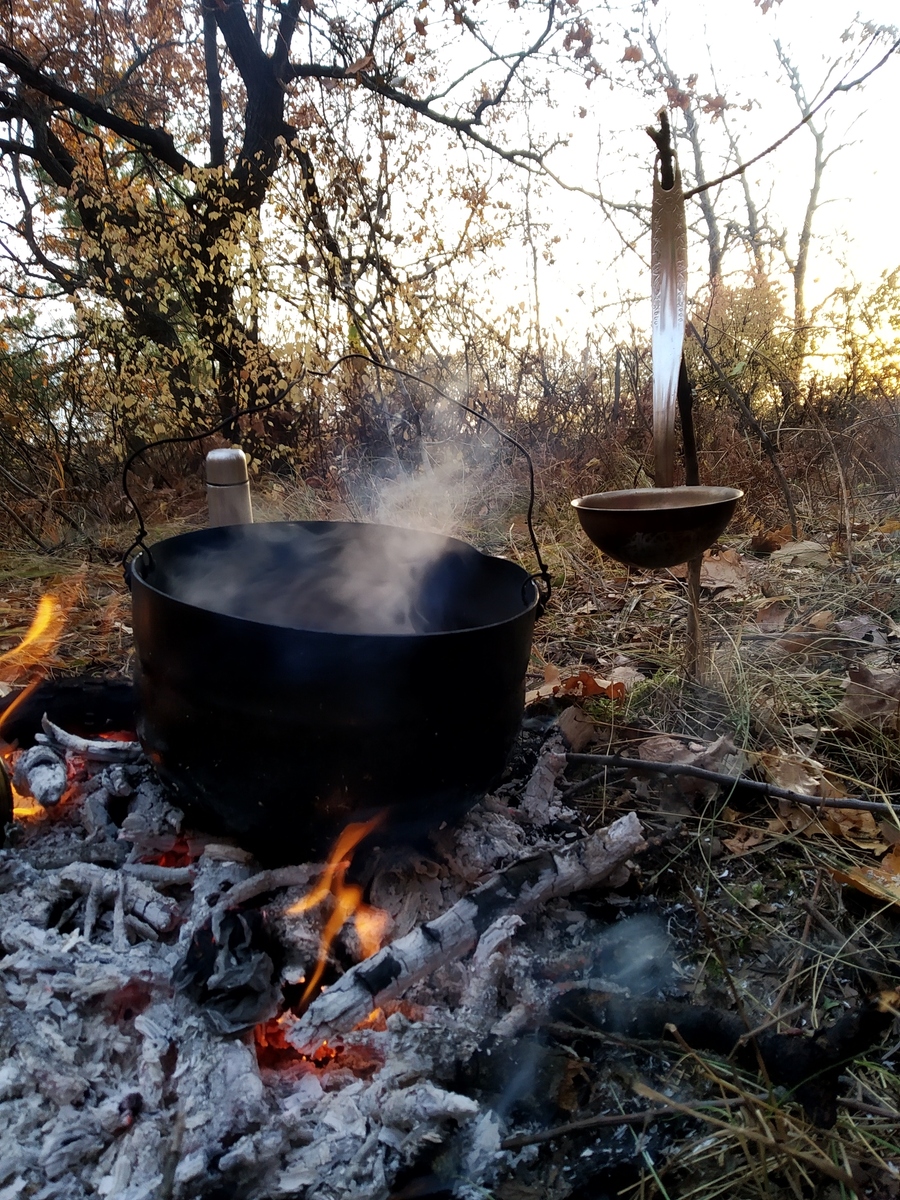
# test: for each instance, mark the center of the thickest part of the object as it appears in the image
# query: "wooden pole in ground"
(695, 658)
(696, 650)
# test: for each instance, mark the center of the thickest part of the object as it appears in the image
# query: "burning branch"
(520, 888)
(106, 750)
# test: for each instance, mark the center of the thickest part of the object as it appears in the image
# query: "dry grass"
(795, 944)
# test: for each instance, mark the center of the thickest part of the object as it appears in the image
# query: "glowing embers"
(360, 1052)
(346, 898)
(361, 1057)
(356, 1053)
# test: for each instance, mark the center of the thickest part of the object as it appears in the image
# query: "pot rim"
(146, 553)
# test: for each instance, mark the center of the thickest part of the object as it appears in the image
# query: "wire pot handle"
(544, 587)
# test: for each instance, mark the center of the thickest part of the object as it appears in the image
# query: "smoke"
(458, 477)
(636, 955)
(335, 577)
(390, 571)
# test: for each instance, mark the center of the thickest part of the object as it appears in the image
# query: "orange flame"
(5, 751)
(371, 927)
(42, 635)
(39, 642)
(25, 809)
(347, 899)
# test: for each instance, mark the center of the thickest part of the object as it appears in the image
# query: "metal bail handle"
(668, 290)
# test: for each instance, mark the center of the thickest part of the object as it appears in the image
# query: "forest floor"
(786, 913)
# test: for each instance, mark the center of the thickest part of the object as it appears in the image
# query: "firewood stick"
(91, 909)
(101, 885)
(120, 936)
(99, 749)
(518, 889)
(269, 881)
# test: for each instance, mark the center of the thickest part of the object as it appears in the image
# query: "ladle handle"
(668, 289)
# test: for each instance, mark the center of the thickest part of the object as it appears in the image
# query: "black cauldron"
(295, 676)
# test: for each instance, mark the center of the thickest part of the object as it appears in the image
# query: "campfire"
(186, 1020)
(181, 1020)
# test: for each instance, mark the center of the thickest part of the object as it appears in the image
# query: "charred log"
(808, 1067)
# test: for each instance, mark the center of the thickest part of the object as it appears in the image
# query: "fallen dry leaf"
(871, 698)
(772, 616)
(773, 539)
(802, 554)
(580, 683)
(627, 675)
(821, 619)
(882, 882)
(664, 749)
(862, 629)
(577, 728)
(745, 840)
(800, 773)
(722, 571)
(809, 733)
(813, 642)
(854, 826)
(585, 683)
(794, 818)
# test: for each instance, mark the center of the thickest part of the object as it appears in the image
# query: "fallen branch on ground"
(808, 1066)
(644, 1116)
(726, 781)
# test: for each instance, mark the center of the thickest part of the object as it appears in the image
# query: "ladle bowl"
(656, 527)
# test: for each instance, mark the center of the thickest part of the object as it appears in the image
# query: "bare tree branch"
(843, 86)
(161, 143)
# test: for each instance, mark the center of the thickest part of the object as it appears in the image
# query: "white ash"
(112, 1083)
(541, 801)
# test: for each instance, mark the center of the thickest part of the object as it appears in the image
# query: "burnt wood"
(808, 1066)
(84, 705)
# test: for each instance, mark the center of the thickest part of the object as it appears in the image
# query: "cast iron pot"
(295, 676)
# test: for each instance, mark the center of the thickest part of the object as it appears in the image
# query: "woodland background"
(220, 208)
(207, 207)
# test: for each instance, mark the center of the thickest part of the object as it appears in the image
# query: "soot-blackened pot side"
(282, 735)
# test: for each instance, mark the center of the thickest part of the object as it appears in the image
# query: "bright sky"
(730, 47)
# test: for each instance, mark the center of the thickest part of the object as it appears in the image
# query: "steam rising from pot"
(334, 577)
(462, 472)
